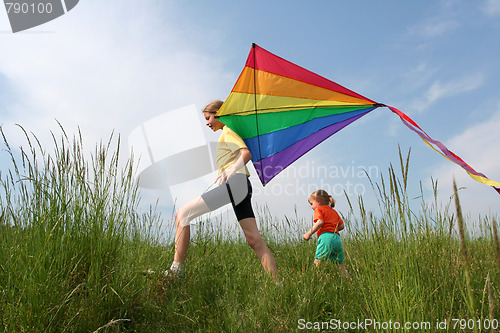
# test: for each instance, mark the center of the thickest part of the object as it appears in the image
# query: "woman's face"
(211, 122)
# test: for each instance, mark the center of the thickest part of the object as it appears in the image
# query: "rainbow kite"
(282, 111)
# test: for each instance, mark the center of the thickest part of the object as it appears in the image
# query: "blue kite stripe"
(277, 141)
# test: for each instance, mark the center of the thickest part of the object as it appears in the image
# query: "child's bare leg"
(317, 262)
(183, 216)
(343, 271)
(254, 239)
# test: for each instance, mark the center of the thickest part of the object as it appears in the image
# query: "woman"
(233, 187)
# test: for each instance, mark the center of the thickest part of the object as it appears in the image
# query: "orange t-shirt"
(331, 219)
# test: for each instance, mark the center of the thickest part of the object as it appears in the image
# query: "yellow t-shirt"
(228, 150)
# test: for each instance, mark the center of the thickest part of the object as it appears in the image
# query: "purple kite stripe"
(269, 167)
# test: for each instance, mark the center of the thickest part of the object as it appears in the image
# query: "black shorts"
(237, 191)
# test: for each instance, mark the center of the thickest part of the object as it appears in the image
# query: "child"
(234, 187)
(327, 224)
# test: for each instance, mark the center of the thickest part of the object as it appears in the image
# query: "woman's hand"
(225, 175)
(306, 236)
(244, 156)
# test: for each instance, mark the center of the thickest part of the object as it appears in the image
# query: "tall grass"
(73, 246)
(68, 222)
(411, 265)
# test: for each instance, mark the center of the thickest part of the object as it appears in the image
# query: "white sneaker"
(174, 273)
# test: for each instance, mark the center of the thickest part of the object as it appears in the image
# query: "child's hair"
(213, 107)
(323, 198)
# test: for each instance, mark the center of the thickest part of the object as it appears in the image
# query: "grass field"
(74, 246)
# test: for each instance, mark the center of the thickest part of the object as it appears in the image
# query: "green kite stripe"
(246, 127)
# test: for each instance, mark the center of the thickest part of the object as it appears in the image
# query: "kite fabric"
(282, 111)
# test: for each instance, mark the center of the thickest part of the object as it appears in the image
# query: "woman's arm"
(244, 157)
(314, 228)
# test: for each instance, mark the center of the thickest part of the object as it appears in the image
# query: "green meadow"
(74, 246)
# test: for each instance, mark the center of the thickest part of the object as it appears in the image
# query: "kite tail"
(445, 151)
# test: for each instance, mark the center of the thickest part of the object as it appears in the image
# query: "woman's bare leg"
(254, 239)
(183, 216)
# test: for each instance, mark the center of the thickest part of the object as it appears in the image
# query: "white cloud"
(107, 67)
(439, 90)
(491, 7)
(418, 75)
(437, 27)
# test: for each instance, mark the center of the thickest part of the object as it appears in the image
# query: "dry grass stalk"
(491, 301)
(463, 250)
(497, 246)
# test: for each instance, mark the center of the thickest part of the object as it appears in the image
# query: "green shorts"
(330, 248)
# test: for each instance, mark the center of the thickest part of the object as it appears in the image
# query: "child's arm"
(314, 228)
(340, 226)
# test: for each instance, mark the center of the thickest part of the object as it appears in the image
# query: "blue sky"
(112, 66)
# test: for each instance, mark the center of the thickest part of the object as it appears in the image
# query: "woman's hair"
(213, 107)
(323, 198)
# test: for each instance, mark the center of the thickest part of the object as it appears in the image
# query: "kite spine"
(255, 109)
